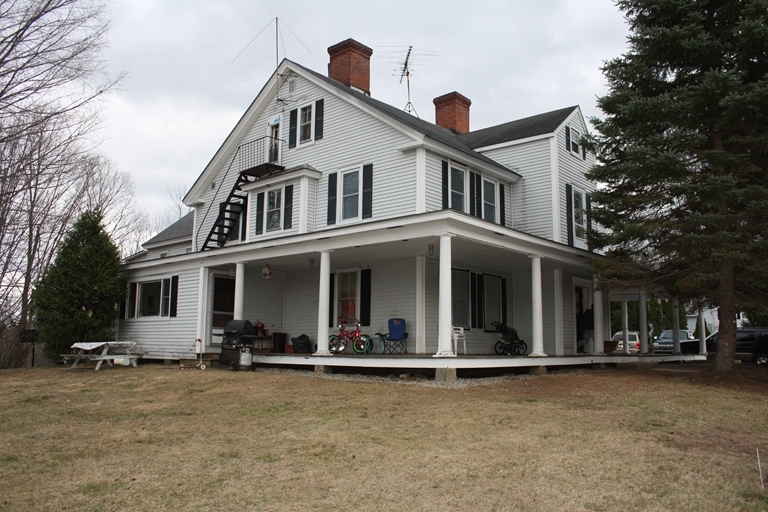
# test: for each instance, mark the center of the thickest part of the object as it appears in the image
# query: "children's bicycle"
(361, 343)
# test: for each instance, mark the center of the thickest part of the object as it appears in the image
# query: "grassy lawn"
(156, 438)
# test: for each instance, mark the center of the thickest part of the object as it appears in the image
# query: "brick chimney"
(452, 112)
(351, 65)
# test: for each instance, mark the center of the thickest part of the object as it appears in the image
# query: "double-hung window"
(274, 209)
(305, 124)
(457, 188)
(489, 200)
(577, 204)
(350, 197)
(347, 296)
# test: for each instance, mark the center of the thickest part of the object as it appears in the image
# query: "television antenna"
(406, 66)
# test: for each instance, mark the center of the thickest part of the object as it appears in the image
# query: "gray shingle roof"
(516, 130)
(179, 229)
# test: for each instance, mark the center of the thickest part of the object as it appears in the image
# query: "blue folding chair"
(395, 341)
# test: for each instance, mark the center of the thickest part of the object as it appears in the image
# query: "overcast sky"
(194, 66)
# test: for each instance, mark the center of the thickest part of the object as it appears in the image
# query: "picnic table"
(110, 351)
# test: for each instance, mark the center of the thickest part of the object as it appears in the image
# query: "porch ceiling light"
(431, 249)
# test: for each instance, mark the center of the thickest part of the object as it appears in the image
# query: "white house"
(351, 207)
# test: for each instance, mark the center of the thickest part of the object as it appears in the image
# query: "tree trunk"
(726, 336)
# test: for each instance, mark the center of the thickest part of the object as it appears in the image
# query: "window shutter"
(567, 138)
(259, 213)
(122, 309)
(332, 198)
(365, 297)
(331, 305)
(473, 299)
(292, 119)
(132, 291)
(502, 206)
(288, 207)
(319, 119)
(174, 294)
(480, 301)
(504, 301)
(445, 184)
(367, 191)
(569, 212)
(473, 193)
(583, 153)
(589, 221)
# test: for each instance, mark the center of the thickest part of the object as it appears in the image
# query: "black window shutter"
(480, 301)
(504, 301)
(319, 119)
(331, 319)
(583, 153)
(502, 206)
(288, 207)
(174, 294)
(332, 198)
(132, 291)
(473, 193)
(445, 184)
(367, 191)
(473, 298)
(122, 309)
(259, 213)
(567, 138)
(365, 297)
(569, 212)
(589, 221)
(292, 119)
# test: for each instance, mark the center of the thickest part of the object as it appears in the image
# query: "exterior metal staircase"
(254, 160)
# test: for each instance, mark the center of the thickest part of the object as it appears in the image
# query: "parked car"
(663, 344)
(634, 342)
(751, 344)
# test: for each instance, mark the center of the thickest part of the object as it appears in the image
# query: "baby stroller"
(510, 343)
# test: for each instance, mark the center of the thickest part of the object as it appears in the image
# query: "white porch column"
(675, 327)
(597, 312)
(323, 304)
(444, 320)
(202, 310)
(625, 325)
(421, 305)
(702, 333)
(239, 291)
(537, 343)
(643, 313)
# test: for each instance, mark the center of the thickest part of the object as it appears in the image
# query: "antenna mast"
(406, 72)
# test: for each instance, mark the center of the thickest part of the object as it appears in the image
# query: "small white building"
(324, 202)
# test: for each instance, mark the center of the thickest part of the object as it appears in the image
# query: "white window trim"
(277, 122)
(495, 183)
(465, 171)
(164, 281)
(311, 139)
(340, 195)
(575, 138)
(266, 190)
(280, 209)
(578, 242)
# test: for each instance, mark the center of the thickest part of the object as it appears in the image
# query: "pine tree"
(76, 299)
(683, 151)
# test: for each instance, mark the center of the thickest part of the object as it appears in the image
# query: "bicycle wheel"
(362, 344)
(336, 344)
(499, 348)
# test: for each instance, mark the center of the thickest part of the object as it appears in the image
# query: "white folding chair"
(458, 334)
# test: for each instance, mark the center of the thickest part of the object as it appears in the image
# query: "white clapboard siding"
(263, 298)
(167, 337)
(393, 295)
(572, 169)
(434, 182)
(531, 198)
(569, 314)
